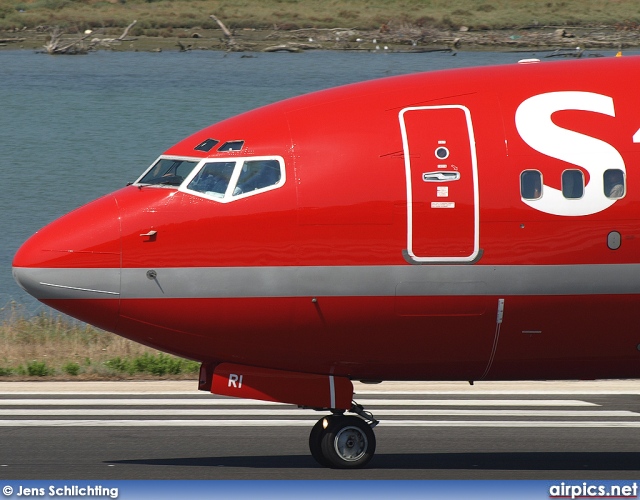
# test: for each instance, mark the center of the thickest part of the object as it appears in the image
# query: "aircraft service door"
(442, 184)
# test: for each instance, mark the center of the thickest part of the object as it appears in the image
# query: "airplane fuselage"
(455, 225)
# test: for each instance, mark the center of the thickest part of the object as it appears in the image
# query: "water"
(73, 128)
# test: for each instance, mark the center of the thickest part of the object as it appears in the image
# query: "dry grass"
(292, 14)
(52, 345)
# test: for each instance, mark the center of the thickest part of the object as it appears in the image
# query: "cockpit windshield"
(218, 179)
(257, 175)
(213, 179)
(168, 172)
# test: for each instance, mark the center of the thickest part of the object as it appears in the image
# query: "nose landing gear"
(344, 441)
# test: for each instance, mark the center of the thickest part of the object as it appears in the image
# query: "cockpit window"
(219, 179)
(213, 179)
(231, 146)
(231, 179)
(168, 172)
(257, 175)
(206, 145)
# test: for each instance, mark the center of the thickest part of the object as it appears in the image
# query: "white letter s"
(534, 124)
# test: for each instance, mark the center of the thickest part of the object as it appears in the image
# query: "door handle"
(440, 176)
(151, 235)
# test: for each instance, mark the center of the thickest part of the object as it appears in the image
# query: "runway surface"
(133, 431)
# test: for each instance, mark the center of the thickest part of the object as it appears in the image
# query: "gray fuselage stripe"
(310, 281)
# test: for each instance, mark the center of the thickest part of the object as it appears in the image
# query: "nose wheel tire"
(315, 441)
(342, 442)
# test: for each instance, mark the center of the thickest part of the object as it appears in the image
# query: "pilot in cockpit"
(213, 179)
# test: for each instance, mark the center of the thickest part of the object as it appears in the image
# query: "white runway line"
(308, 413)
(475, 402)
(193, 412)
(307, 423)
(253, 402)
(136, 402)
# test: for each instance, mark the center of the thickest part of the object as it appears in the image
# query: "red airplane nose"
(73, 264)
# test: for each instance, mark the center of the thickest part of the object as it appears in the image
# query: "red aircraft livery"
(472, 224)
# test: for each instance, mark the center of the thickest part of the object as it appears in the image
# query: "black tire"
(347, 443)
(315, 441)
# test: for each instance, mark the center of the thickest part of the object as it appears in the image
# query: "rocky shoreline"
(394, 38)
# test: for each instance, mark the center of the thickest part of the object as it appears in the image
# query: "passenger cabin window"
(614, 183)
(168, 172)
(572, 184)
(531, 184)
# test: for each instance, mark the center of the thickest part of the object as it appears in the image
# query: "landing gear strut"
(344, 442)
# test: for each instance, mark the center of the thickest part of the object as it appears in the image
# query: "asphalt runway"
(429, 431)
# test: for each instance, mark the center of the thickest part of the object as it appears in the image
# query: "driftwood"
(292, 47)
(107, 42)
(285, 47)
(577, 52)
(124, 34)
(229, 38)
(183, 47)
(55, 45)
(393, 36)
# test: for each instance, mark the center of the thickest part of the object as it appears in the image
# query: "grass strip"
(167, 15)
(53, 346)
